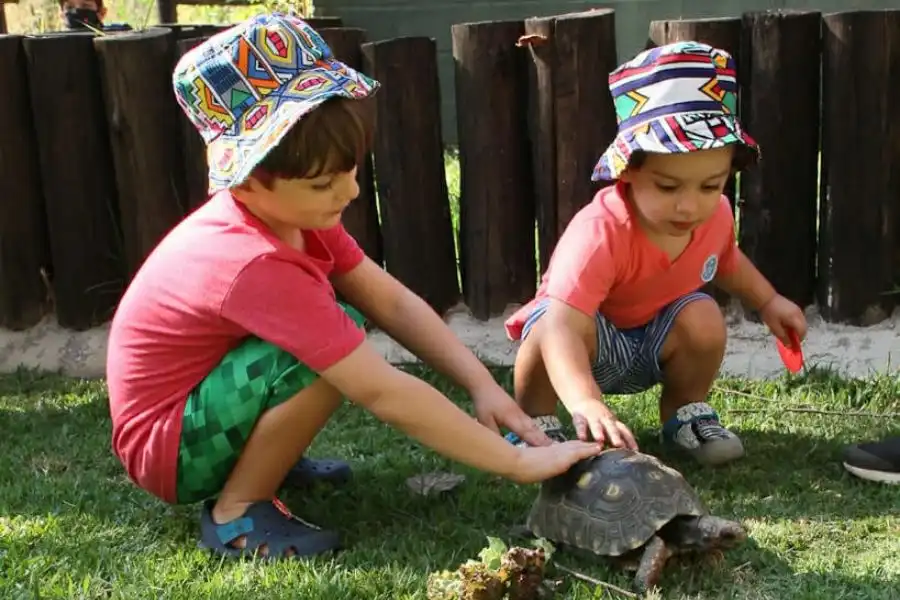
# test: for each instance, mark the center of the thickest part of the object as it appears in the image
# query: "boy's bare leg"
(690, 359)
(277, 441)
(691, 356)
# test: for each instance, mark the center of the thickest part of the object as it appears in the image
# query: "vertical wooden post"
(496, 238)
(585, 115)
(185, 31)
(319, 23)
(193, 150)
(3, 28)
(780, 108)
(409, 167)
(24, 246)
(581, 53)
(724, 33)
(542, 129)
(167, 11)
(860, 165)
(78, 178)
(144, 132)
(361, 217)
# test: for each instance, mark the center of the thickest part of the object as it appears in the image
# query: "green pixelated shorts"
(221, 412)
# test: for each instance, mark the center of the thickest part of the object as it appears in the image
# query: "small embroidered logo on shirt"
(709, 268)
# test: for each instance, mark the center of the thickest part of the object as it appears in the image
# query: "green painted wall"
(394, 18)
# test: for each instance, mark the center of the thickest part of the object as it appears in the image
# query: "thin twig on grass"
(814, 411)
(744, 394)
(593, 581)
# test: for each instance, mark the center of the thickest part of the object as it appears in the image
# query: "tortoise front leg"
(652, 562)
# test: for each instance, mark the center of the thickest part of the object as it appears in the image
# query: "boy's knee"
(700, 326)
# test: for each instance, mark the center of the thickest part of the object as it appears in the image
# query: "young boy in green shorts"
(229, 352)
(618, 310)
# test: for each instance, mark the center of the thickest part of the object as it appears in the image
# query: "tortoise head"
(703, 534)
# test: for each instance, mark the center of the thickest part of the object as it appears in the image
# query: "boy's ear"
(102, 13)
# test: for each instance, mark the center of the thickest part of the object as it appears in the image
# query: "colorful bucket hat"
(681, 97)
(245, 87)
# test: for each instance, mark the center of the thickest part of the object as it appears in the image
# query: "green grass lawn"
(72, 525)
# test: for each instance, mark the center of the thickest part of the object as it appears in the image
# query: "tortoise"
(628, 505)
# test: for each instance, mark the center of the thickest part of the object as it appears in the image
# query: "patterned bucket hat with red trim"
(245, 87)
(681, 97)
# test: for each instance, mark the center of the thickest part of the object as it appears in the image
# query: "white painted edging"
(854, 351)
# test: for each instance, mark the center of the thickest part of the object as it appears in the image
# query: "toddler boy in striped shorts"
(619, 308)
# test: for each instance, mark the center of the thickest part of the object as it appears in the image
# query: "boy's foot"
(696, 429)
(549, 424)
(309, 471)
(267, 530)
(875, 461)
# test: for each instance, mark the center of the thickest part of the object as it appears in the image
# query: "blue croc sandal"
(308, 471)
(265, 523)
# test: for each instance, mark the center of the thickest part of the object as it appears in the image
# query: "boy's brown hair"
(742, 159)
(332, 138)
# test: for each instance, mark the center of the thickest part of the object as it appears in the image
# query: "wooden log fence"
(780, 102)
(409, 166)
(82, 205)
(572, 115)
(24, 246)
(140, 112)
(496, 204)
(79, 179)
(860, 166)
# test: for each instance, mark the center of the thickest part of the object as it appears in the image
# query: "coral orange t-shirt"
(218, 277)
(604, 262)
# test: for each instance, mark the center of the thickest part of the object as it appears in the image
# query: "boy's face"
(290, 204)
(87, 5)
(674, 193)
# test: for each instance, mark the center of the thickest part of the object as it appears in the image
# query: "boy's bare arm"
(566, 356)
(420, 411)
(412, 322)
(565, 353)
(746, 283)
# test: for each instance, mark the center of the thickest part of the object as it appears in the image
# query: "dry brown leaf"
(434, 483)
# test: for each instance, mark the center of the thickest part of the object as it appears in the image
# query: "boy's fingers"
(597, 430)
(531, 433)
(585, 450)
(581, 429)
(628, 436)
(612, 429)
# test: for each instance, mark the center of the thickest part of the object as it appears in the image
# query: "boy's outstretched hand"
(537, 464)
(594, 417)
(494, 408)
(780, 314)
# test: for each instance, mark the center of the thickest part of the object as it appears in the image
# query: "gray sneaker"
(696, 429)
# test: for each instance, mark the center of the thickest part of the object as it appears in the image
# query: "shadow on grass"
(69, 503)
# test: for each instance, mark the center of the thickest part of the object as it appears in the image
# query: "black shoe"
(875, 461)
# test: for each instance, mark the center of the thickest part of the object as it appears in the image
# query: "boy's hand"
(592, 414)
(780, 314)
(494, 408)
(537, 464)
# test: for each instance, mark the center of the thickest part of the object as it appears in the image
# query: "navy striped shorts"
(628, 359)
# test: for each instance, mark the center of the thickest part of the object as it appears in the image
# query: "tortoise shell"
(612, 503)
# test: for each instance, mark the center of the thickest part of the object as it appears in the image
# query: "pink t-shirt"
(216, 278)
(604, 262)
